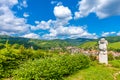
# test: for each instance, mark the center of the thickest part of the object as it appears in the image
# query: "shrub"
(51, 68)
(117, 57)
(93, 57)
(110, 57)
(8, 62)
(10, 58)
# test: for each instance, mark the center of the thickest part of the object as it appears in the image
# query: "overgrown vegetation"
(27, 64)
(51, 68)
(10, 58)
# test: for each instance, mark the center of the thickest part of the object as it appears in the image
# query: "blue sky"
(53, 19)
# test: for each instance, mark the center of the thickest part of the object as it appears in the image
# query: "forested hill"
(78, 41)
(47, 44)
(43, 44)
(114, 44)
(112, 39)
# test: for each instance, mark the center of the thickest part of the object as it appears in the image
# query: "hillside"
(113, 39)
(78, 41)
(36, 43)
(89, 45)
(42, 44)
(114, 44)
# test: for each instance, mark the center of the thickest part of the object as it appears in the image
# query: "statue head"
(102, 40)
(103, 44)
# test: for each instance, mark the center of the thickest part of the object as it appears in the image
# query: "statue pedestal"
(103, 58)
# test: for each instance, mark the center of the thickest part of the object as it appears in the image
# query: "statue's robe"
(103, 57)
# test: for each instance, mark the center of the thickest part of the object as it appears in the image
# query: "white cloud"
(9, 3)
(105, 34)
(59, 29)
(9, 23)
(37, 22)
(102, 8)
(26, 15)
(118, 34)
(62, 12)
(31, 35)
(69, 32)
(42, 25)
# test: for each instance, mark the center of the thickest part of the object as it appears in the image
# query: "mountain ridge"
(43, 43)
(47, 44)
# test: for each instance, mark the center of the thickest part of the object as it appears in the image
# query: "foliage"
(117, 57)
(51, 68)
(10, 58)
(110, 57)
(8, 62)
(93, 57)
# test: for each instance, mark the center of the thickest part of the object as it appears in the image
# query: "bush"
(111, 57)
(51, 68)
(117, 57)
(8, 62)
(93, 57)
(10, 58)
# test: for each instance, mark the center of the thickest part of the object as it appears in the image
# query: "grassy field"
(97, 72)
(89, 45)
(115, 45)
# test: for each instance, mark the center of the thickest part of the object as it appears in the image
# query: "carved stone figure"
(103, 57)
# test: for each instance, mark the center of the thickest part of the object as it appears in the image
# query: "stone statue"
(103, 57)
